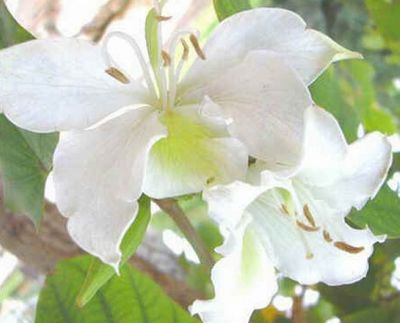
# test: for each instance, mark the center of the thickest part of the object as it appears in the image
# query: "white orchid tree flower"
(124, 133)
(295, 224)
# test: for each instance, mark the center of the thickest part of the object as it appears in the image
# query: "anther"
(163, 18)
(309, 255)
(306, 227)
(327, 236)
(118, 75)
(196, 46)
(308, 215)
(285, 209)
(348, 248)
(166, 58)
(186, 49)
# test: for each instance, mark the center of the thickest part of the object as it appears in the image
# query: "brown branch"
(112, 10)
(171, 207)
(42, 250)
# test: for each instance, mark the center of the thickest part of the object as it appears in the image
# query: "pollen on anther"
(348, 248)
(118, 75)
(166, 58)
(163, 18)
(327, 236)
(306, 227)
(186, 50)
(308, 215)
(285, 209)
(196, 46)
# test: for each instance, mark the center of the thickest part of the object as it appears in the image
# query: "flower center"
(162, 79)
(308, 221)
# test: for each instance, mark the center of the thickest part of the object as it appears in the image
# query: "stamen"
(186, 50)
(110, 62)
(166, 58)
(308, 215)
(163, 18)
(118, 75)
(306, 227)
(196, 46)
(348, 248)
(285, 209)
(327, 236)
(309, 255)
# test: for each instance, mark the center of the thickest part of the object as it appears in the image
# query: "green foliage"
(25, 157)
(25, 162)
(386, 17)
(131, 297)
(381, 214)
(99, 273)
(347, 91)
(11, 33)
(226, 8)
(328, 94)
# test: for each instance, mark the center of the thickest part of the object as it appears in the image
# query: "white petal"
(227, 203)
(60, 84)
(306, 256)
(266, 101)
(243, 279)
(98, 177)
(341, 175)
(195, 154)
(284, 32)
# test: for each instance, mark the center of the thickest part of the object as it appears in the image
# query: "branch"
(171, 207)
(112, 10)
(42, 250)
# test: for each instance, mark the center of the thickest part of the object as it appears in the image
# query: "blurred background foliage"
(364, 95)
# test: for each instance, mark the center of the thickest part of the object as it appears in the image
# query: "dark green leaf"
(10, 32)
(25, 157)
(25, 161)
(381, 214)
(99, 273)
(131, 297)
(226, 8)
(328, 94)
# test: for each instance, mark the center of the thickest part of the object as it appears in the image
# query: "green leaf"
(11, 32)
(386, 15)
(380, 214)
(131, 297)
(347, 91)
(152, 38)
(25, 157)
(25, 162)
(99, 273)
(226, 8)
(328, 94)
(387, 313)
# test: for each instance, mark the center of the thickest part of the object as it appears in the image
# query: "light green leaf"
(381, 214)
(386, 15)
(226, 8)
(152, 38)
(99, 273)
(25, 162)
(131, 297)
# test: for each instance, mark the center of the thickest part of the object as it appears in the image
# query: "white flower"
(295, 223)
(155, 133)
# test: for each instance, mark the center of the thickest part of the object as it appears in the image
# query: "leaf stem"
(171, 207)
